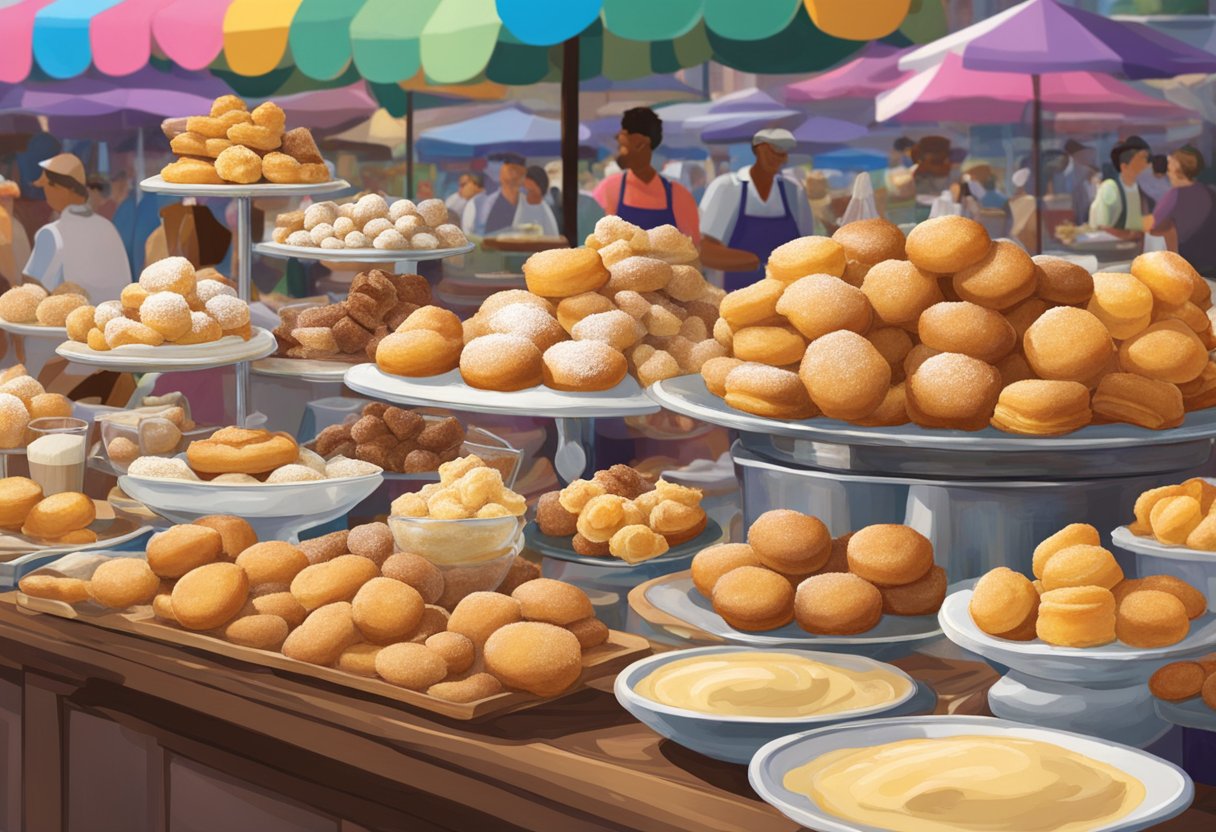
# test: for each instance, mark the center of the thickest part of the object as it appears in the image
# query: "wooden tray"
(619, 651)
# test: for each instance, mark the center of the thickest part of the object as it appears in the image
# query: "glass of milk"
(56, 454)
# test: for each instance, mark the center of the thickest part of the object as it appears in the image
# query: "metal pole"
(244, 282)
(570, 74)
(409, 145)
(140, 167)
(1035, 153)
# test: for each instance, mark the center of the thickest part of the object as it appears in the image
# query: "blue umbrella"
(511, 129)
(851, 159)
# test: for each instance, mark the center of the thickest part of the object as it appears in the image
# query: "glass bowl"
(457, 542)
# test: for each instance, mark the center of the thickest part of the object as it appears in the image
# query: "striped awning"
(447, 41)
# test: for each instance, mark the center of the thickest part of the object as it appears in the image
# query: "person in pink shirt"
(639, 194)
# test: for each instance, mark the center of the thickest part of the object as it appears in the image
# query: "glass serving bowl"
(457, 542)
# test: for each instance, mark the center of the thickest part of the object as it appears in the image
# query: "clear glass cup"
(56, 453)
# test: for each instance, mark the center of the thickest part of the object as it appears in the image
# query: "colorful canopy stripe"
(451, 41)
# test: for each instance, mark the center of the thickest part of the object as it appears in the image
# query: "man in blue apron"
(748, 213)
(496, 212)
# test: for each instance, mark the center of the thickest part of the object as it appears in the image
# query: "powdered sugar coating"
(409, 225)
(357, 239)
(390, 239)
(332, 243)
(343, 226)
(13, 418)
(401, 208)
(23, 387)
(161, 306)
(340, 467)
(424, 241)
(581, 360)
(953, 386)
(374, 227)
(236, 479)
(230, 312)
(299, 238)
(311, 459)
(207, 289)
(161, 468)
(173, 274)
(294, 473)
(450, 236)
(616, 328)
(525, 320)
(433, 211)
(106, 312)
(322, 231)
(318, 213)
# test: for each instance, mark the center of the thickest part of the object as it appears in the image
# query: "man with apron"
(748, 213)
(638, 194)
(496, 213)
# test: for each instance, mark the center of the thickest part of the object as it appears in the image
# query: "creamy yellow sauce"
(967, 783)
(763, 684)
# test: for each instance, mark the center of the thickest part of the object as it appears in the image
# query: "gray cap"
(778, 137)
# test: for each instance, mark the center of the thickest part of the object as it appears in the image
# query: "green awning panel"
(459, 39)
(314, 47)
(752, 19)
(648, 20)
(385, 42)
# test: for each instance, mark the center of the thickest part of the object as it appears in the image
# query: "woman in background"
(1186, 215)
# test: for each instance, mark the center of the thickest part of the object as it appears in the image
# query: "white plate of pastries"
(369, 229)
(29, 310)
(950, 330)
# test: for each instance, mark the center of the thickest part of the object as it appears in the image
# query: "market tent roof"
(873, 70)
(814, 132)
(511, 129)
(742, 113)
(452, 41)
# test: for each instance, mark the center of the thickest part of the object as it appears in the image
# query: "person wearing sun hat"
(81, 246)
(749, 212)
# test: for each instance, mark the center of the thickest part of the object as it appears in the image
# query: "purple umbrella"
(1040, 37)
(816, 132)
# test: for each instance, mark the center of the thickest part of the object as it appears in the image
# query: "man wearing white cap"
(81, 246)
(747, 214)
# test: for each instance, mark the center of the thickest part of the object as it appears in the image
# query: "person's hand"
(715, 255)
(1148, 224)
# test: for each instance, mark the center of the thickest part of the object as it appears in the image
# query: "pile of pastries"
(249, 456)
(1179, 681)
(468, 488)
(23, 398)
(395, 438)
(378, 302)
(370, 222)
(29, 303)
(171, 304)
(60, 518)
(1080, 598)
(620, 513)
(948, 329)
(791, 569)
(1177, 515)
(232, 145)
(347, 601)
(629, 301)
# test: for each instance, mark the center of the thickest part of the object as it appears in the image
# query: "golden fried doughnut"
(500, 362)
(540, 658)
(58, 514)
(14, 416)
(526, 321)
(711, 564)
(752, 598)
(79, 321)
(790, 542)
(269, 115)
(637, 274)
(417, 353)
(565, 272)
(132, 297)
(614, 327)
(281, 168)
(172, 274)
(1042, 408)
(846, 377)
(120, 583)
(714, 372)
(605, 515)
(1122, 303)
(573, 309)
(55, 588)
(324, 635)
(359, 659)
(1062, 281)
(837, 603)
(752, 304)
(1167, 275)
(1004, 277)
(242, 451)
(196, 144)
(1126, 397)
(583, 366)
(469, 689)
(236, 535)
(1151, 618)
(1024, 314)
(479, 614)
(435, 319)
(1173, 519)
(1074, 534)
(261, 632)
(24, 388)
(871, 241)
(272, 562)
(951, 390)
(49, 404)
(1005, 604)
(921, 597)
(168, 313)
(282, 604)
(175, 551)
(774, 345)
(1079, 616)
(53, 310)
(191, 172)
(18, 495)
(123, 331)
(967, 328)
(19, 305)
(552, 519)
(1177, 681)
(889, 554)
(1193, 601)
(225, 103)
(820, 304)
(386, 610)
(893, 344)
(770, 392)
(805, 256)
(1081, 565)
(554, 602)
(590, 632)
(948, 244)
(255, 137)
(1166, 351)
(899, 291)
(333, 580)
(210, 595)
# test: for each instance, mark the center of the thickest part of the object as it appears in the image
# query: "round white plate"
(305, 369)
(359, 255)
(449, 390)
(35, 330)
(230, 349)
(1124, 539)
(1190, 713)
(676, 596)
(1168, 789)
(560, 548)
(1101, 666)
(157, 185)
(689, 396)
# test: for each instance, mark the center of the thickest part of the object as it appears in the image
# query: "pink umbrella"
(951, 92)
(875, 70)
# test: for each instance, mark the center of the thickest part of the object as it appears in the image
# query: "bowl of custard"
(726, 702)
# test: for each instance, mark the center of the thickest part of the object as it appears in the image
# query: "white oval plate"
(305, 369)
(34, 330)
(157, 185)
(230, 349)
(359, 255)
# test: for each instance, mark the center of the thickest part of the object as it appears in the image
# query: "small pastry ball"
(967, 328)
(456, 650)
(501, 362)
(1122, 303)
(386, 610)
(805, 256)
(948, 244)
(1081, 565)
(119, 583)
(166, 312)
(790, 542)
(837, 603)
(1151, 618)
(951, 390)
(1068, 344)
(711, 564)
(1178, 681)
(890, 554)
(417, 572)
(540, 658)
(1004, 603)
(1167, 275)
(755, 304)
(1004, 277)
(846, 377)
(820, 304)
(554, 602)
(411, 666)
(175, 551)
(210, 595)
(323, 636)
(236, 535)
(1062, 281)
(1166, 351)
(173, 274)
(872, 241)
(272, 562)
(479, 614)
(899, 291)
(754, 599)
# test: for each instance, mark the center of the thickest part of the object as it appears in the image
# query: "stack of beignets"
(948, 329)
(1178, 515)
(791, 569)
(1081, 598)
(23, 398)
(347, 601)
(60, 518)
(369, 221)
(233, 145)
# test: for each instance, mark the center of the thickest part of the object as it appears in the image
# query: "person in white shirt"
(470, 187)
(1119, 207)
(748, 213)
(534, 209)
(494, 213)
(81, 246)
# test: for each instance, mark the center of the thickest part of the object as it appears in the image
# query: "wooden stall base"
(605, 660)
